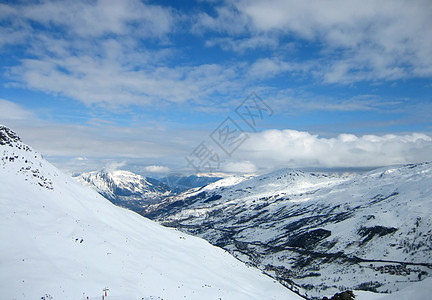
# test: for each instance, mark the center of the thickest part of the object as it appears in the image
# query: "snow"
(106, 183)
(225, 182)
(382, 218)
(418, 290)
(67, 241)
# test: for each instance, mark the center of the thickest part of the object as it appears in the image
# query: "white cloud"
(273, 67)
(104, 81)
(360, 40)
(242, 45)
(101, 142)
(10, 111)
(102, 17)
(242, 167)
(291, 148)
(228, 20)
(156, 169)
(267, 67)
(114, 166)
(105, 146)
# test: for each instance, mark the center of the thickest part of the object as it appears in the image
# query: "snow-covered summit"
(125, 188)
(66, 241)
(109, 181)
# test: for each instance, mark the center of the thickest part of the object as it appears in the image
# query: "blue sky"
(140, 84)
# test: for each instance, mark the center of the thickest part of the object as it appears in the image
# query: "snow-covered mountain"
(125, 188)
(61, 240)
(135, 192)
(315, 233)
(180, 183)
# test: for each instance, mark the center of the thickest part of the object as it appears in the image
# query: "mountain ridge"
(311, 231)
(125, 188)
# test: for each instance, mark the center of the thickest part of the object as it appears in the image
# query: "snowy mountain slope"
(319, 234)
(67, 241)
(125, 188)
(275, 183)
(221, 183)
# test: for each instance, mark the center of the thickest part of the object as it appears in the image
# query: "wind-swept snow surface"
(67, 241)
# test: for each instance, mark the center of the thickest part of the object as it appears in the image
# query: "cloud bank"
(156, 169)
(240, 167)
(267, 150)
(263, 151)
(291, 148)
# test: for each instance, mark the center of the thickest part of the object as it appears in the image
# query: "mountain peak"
(8, 136)
(125, 188)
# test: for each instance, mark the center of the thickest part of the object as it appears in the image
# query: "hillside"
(315, 233)
(66, 241)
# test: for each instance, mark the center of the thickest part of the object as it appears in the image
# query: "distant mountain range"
(125, 188)
(315, 233)
(134, 191)
(180, 183)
